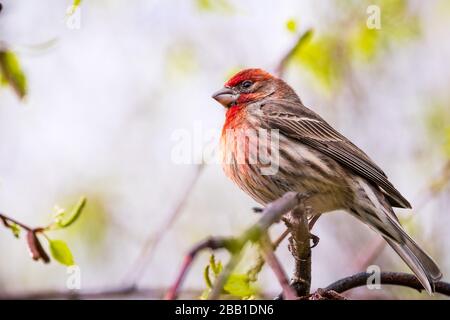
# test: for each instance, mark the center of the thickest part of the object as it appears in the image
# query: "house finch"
(314, 159)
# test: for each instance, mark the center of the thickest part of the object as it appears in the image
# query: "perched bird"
(312, 158)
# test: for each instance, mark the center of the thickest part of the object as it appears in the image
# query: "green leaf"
(222, 6)
(64, 219)
(437, 121)
(207, 278)
(15, 229)
(11, 73)
(239, 285)
(447, 142)
(291, 25)
(216, 267)
(75, 5)
(61, 252)
(365, 43)
(321, 57)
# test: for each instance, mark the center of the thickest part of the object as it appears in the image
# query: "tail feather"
(375, 211)
(418, 260)
(425, 269)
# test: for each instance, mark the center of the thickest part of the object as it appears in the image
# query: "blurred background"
(103, 95)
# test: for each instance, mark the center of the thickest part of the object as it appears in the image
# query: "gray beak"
(225, 97)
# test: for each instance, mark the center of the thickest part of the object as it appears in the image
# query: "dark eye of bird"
(246, 84)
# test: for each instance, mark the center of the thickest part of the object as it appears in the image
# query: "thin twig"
(211, 243)
(153, 240)
(280, 69)
(259, 263)
(6, 220)
(271, 214)
(35, 248)
(275, 265)
(388, 278)
(280, 239)
(100, 293)
(224, 275)
(254, 270)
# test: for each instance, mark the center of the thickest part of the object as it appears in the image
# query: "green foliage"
(331, 53)
(365, 43)
(447, 141)
(181, 61)
(437, 120)
(90, 228)
(11, 73)
(58, 248)
(15, 229)
(397, 25)
(63, 219)
(320, 56)
(75, 5)
(291, 25)
(221, 6)
(237, 285)
(61, 252)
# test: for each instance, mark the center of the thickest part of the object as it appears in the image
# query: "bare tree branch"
(388, 278)
(144, 258)
(300, 248)
(280, 69)
(211, 243)
(271, 214)
(275, 265)
(35, 248)
(101, 293)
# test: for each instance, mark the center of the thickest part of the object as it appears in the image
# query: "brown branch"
(144, 258)
(300, 248)
(211, 243)
(7, 221)
(275, 265)
(387, 278)
(280, 69)
(35, 248)
(102, 293)
(254, 270)
(271, 214)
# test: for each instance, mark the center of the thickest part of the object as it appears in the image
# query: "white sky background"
(104, 100)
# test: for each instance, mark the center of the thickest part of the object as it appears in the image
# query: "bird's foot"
(315, 239)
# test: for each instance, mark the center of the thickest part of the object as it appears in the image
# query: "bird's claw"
(315, 239)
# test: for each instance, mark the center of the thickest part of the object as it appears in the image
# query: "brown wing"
(306, 126)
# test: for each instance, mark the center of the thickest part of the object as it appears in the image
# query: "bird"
(313, 159)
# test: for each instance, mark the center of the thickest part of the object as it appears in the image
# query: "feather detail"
(307, 127)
